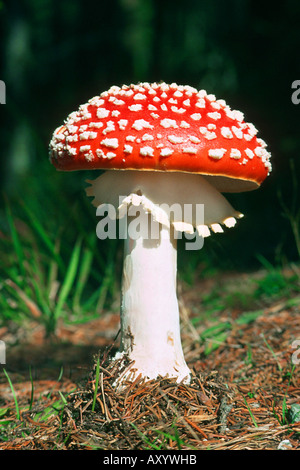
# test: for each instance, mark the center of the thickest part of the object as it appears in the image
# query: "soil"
(245, 381)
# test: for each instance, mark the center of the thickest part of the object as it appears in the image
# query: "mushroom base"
(150, 330)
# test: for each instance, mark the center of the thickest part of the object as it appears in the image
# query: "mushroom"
(162, 146)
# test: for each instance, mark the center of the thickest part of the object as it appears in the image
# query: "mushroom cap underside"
(186, 201)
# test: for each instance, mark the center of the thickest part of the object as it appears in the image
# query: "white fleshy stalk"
(150, 328)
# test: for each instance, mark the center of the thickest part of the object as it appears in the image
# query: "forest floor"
(244, 392)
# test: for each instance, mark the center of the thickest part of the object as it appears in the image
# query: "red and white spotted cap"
(162, 127)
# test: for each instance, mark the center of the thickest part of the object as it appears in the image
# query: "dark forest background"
(56, 55)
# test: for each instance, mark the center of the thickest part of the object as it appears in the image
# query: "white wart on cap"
(163, 127)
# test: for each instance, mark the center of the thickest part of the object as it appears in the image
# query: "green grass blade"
(61, 372)
(64, 400)
(53, 268)
(32, 389)
(3, 411)
(22, 300)
(44, 237)
(83, 276)
(272, 352)
(145, 438)
(40, 296)
(248, 317)
(214, 343)
(14, 394)
(250, 412)
(106, 285)
(214, 336)
(69, 279)
(214, 330)
(96, 383)
(16, 240)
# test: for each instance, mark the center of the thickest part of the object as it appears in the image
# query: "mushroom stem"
(150, 328)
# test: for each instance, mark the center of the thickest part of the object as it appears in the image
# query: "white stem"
(149, 312)
(150, 330)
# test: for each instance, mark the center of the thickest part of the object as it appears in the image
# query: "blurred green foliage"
(56, 55)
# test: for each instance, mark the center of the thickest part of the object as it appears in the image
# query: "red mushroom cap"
(162, 127)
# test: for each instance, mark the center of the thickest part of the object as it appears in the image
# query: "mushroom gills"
(186, 201)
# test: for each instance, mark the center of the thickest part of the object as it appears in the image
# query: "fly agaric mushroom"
(160, 144)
